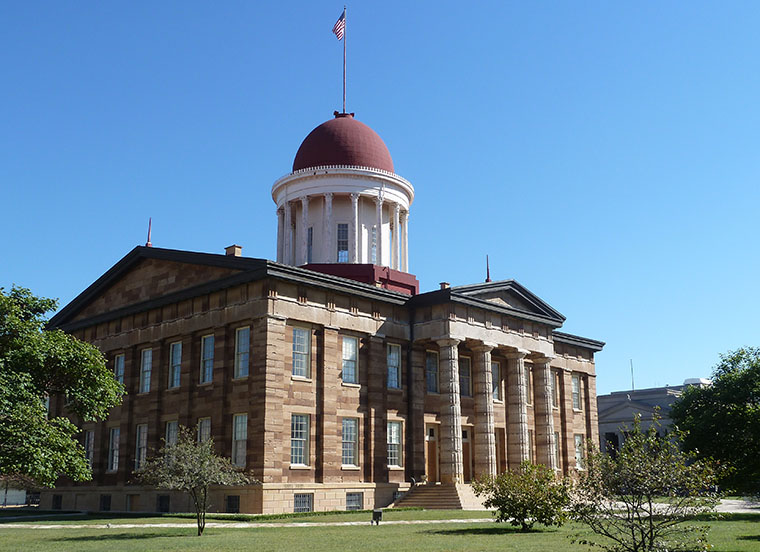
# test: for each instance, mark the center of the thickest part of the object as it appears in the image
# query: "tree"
(36, 363)
(531, 494)
(722, 420)
(640, 499)
(190, 466)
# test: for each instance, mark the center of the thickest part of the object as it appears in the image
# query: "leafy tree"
(531, 494)
(722, 421)
(190, 466)
(639, 499)
(36, 363)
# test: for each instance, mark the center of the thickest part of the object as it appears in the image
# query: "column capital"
(542, 359)
(378, 201)
(448, 342)
(397, 208)
(304, 199)
(484, 347)
(517, 354)
(328, 195)
(354, 196)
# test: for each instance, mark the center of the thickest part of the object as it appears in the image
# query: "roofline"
(251, 269)
(578, 341)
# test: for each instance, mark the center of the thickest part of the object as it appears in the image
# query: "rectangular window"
(303, 502)
(394, 366)
(530, 445)
(232, 504)
(89, 446)
(465, 377)
(105, 503)
(299, 439)
(113, 449)
(373, 247)
(204, 429)
(576, 392)
(301, 352)
(555, 388)
(118, 368)
(350, 346)
(350, 429)
(207, 358)
(579, 451)
(146, 366)
(239, 439)
(528, 385)
(342, 243)
(242, 351)
(557, 450)
(394, 444)
(309, 244)
(162, 503)
(431, 371)
(175, 364)
(170, 435)
(141, 445)
(354, 501)
(496, 380)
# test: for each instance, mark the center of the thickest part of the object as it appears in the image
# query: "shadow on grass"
(110, 536)
(491, 530)
(749, 537)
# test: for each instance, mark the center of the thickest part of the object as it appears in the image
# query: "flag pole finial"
(150, 224)
(488, 270)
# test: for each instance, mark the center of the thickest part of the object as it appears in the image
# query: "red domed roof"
(343, 141)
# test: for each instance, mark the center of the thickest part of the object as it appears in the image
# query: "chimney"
(445, 285)
(233, 250)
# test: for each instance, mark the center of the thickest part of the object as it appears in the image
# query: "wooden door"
(431, 453)
(466, 455)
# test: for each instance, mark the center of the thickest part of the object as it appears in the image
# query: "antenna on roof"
(488, 270)
(633, 388)
(150, 223)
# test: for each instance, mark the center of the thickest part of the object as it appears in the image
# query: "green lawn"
(737, 533)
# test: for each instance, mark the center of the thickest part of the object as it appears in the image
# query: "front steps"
(436, 496)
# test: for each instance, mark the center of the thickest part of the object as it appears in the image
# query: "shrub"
(531, 494)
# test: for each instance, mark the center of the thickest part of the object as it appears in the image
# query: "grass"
(734, 533)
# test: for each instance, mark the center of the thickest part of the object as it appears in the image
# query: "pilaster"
(545, 441)
(485, 437)
(274, 390)
(517, 409)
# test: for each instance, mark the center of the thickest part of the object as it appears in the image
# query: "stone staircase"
(435, 496)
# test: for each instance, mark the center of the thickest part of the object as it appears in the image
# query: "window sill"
(205, 383)
(395, 468)
(350, 467)
(299, 467)
(498, 401)
(578, 410)
(172, 389)
(240, 378)
(350, 384)
(395, 389)
(303, 379)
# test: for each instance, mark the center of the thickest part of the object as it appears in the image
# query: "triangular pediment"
(146, 274)
(509, 294)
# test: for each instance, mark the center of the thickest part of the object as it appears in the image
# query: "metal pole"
(345, 39)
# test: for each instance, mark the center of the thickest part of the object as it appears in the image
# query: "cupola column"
(379, 206)
(353, 245)
(327, 231)
(287, 254)
(405, 226)
(304, 229)
(396, 246)
(280, 225)
(517, 409)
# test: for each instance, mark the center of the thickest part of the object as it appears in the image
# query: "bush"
(531, 494)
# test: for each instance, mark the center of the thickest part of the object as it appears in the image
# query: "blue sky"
(605, 155)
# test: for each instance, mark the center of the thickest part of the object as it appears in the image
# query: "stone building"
(327, 375)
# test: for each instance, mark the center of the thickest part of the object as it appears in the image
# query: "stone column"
(452, 465)
(304, 229)
(485, 433)
(287, 257)
(280, 225)
(353, 235)
(546, 444)
(396, 245)
(328, 251)
(405, 255)
(517, 409)
(379, 206)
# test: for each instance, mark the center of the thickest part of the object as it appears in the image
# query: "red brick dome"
(343, 141)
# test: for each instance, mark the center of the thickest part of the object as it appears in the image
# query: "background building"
(335, 382)
(617, 410)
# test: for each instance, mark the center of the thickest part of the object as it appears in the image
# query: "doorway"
(431, 453)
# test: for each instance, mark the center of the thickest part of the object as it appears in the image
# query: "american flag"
(340, 26)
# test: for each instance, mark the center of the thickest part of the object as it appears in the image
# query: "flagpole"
(345, 33)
